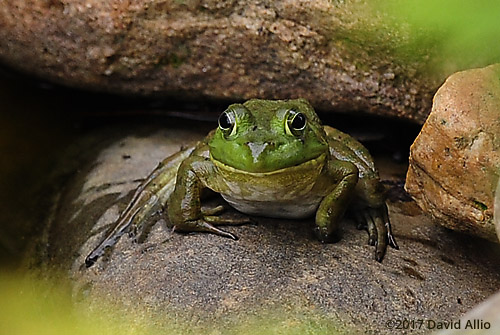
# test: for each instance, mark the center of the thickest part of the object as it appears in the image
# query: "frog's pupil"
(225, 121)
(299, 121)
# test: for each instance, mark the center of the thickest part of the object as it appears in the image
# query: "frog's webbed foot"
(203, 225)
(140, 228)
(98, 251)
(132, 221)
(378, 225)
(210, 220)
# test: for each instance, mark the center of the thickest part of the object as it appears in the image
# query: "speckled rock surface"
(455, 160)
(482, 320)
(338, 55)
(275, 265)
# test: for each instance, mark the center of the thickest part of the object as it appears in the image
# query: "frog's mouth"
(315, 164)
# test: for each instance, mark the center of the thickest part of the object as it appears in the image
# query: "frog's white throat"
(284, 193)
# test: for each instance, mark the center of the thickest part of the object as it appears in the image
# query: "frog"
(271, 158)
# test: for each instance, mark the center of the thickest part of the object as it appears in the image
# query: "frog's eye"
(227, 124)
(295, 123)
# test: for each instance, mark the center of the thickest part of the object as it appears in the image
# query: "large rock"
(277, 274)
(455, 160)
(339, 55)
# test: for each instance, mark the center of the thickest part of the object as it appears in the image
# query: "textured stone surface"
(340, 55)
(455, 160)
(482, 320)
(276, 266)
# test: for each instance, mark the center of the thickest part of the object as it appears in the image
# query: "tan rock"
(455, 160)
(339, 55)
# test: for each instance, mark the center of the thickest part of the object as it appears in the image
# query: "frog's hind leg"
(135, 213)
(148, 199)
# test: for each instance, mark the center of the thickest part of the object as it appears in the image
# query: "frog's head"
(268, 135)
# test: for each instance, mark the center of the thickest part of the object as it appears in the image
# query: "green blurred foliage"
(31, 306)
(462, 33)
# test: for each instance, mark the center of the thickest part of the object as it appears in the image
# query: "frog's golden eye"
(295, 123)
(227, 123)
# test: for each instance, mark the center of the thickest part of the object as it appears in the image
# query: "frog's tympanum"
(266, 158)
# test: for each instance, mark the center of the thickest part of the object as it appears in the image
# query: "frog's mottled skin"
(266, 158)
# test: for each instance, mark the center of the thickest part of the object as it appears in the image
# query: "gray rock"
(482, 320)
(339, 55)
(455, 160)
(276, 267)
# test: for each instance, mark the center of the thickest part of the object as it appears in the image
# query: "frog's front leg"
(334, 204)
(184, 205)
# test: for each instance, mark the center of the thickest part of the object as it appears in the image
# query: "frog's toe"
(133, 233)
(379, 230)
(213, 211)
(364, 221)
(381, 234)
(325, 236)
(387, 223)
(392, 241)
(225, 221)
(205, 226)
(91, 259)
(372, 228)
(100, 250)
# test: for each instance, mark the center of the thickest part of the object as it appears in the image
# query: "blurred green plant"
(463, 33)
(31, 306)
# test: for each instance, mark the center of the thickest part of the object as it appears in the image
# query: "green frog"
(269, 158)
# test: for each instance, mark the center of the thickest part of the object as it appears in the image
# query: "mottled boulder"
(277, 274)
(339, 55)
(455, 160)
